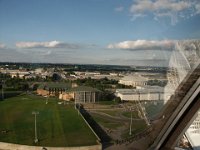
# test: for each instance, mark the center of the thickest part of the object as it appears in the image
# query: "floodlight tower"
(2, 92)
(47, 99)
(79, 106)
(77, 103)
(35, 113)
(74, 103)
(130, 130)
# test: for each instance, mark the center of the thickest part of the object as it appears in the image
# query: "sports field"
(58, 125)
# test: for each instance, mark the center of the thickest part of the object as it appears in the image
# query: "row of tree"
(101, 84)
(157, 82)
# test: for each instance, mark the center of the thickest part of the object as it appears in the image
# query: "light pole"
(35, 113)
(130, 132)
(47, 99)
(79, 109)
(74, 102)
(2, 93)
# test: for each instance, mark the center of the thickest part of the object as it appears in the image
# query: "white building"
(15, 73)
(38, 71)
(148, 93)
(133, 80)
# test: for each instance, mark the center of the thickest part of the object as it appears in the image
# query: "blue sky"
(94, 31)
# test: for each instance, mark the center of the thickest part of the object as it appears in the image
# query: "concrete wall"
(42, 92)
(9, 146)
(91, 129)
(66, 96)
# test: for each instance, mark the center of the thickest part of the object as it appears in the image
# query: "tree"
(157, 82)
(56, 77)
(117, 99)
(35, 86)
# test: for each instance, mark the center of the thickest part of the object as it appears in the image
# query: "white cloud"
(197, 7)
(2, 45)
(137, 16)
(143, 45)
(164, 8)
(119, 9)
(51, 44)
(159, 5)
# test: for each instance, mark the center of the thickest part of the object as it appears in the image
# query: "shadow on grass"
(105, 139)
(9, 94)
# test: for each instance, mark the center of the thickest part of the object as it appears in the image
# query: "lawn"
(137, 127)
(8, 94)
(153, 108)
(58, 125)
(113, 113)
(107, 123)
(107, 102)
(128, 114)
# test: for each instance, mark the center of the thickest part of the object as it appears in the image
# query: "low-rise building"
(81, 94)
(148, 93)
(30, 76)
(52, 89)
(15, 73)
(133, 80)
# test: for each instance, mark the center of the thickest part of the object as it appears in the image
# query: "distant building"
(38, 71)
(15, 73)
(21, 75)
(149, 93)
(30, 76)
(94, 75)
(133, 80)
(52, 89)
(81, 94)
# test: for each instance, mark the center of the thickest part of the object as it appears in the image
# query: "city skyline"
(95, 31)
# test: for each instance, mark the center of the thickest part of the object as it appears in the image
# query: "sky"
(117, 32)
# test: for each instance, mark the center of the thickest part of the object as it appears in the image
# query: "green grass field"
(113, 113)
(58, 125)
(137, 127)
(128, 114)
(107, 123)
(153, 109)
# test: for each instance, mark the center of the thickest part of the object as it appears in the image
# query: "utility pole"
(35, 113)
(130, 130)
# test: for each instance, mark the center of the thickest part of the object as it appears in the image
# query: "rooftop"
(148, 89)
(134, 78)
